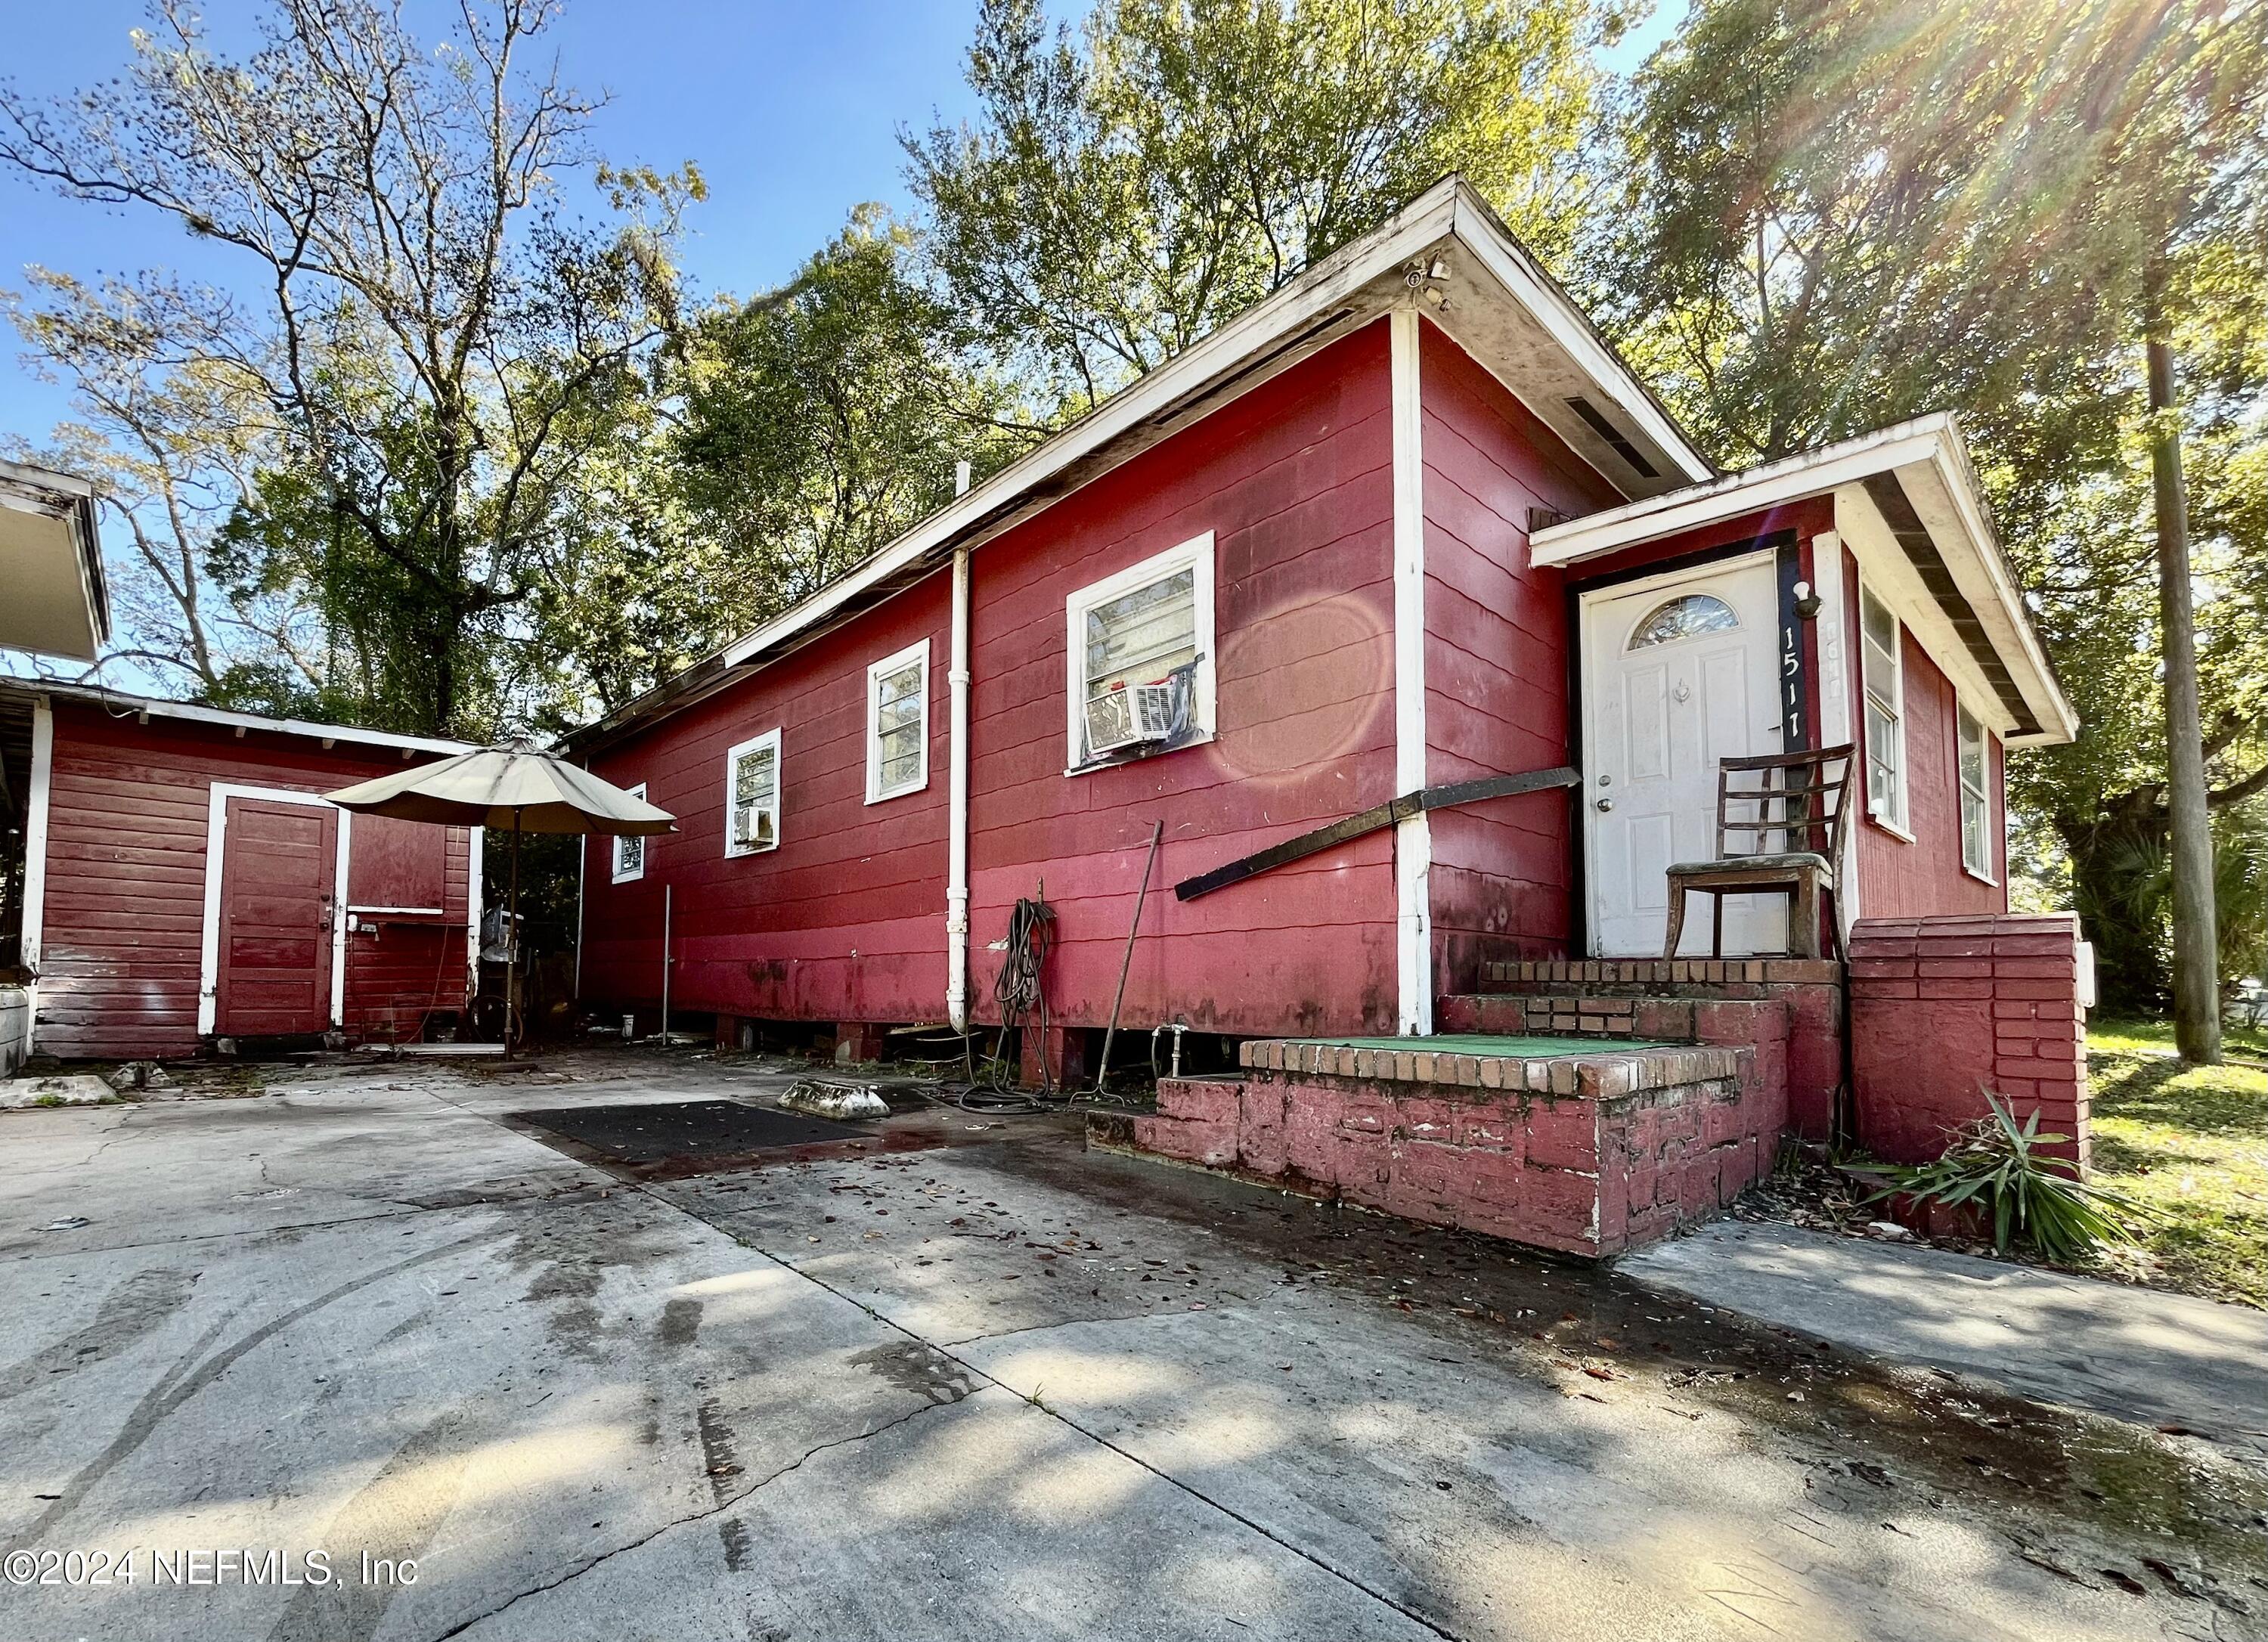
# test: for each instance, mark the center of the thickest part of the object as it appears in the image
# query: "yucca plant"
(2002, 1169)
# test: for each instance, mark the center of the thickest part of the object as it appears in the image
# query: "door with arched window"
(1677, 674)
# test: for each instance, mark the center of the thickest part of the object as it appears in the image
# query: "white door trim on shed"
(216, 835)
(36, 860)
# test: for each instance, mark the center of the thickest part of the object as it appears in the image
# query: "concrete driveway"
(967, 1380)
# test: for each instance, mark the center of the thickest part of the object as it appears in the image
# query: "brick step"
(1681, 977)
(1647, 1018)
(1589, 1153)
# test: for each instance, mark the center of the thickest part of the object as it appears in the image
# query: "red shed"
(1407, 525)
(179, 879)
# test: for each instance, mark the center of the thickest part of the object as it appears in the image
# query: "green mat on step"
(1477, 1043)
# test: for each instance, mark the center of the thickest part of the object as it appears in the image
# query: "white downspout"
(1413, 835)
(956, 835)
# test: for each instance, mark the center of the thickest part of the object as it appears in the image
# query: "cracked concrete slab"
(996, 1388)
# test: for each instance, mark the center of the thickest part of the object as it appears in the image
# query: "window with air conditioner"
(629, 852)
(752, 791)
(1976, 797)
(897, 723)
(1883, 671)
(1140, 651)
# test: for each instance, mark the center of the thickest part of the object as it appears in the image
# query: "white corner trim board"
(215, 837)
(1413, 835)
(475, 849)
(35, 837)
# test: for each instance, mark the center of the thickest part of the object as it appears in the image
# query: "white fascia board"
(1752, 490)
(133, 706)
(1422, 226)
(1476, 229)
(1448, 210)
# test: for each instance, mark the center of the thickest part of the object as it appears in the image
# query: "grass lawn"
(2191, 1142)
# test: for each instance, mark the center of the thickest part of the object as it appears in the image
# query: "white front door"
(1677, 674)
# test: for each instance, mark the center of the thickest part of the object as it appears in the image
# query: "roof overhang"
(51, 564)
(118, 705)
(1909, 507)
(1447, 253)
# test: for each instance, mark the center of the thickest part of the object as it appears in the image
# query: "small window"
(1883, 674)
(752, 787)
(1975, 799)
(1684, 617)
(897, 723)
(629, 852)
(1140, 642)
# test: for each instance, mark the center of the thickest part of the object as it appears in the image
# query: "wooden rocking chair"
(1788, 807)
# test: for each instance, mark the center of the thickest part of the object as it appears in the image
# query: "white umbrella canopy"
(517, 785)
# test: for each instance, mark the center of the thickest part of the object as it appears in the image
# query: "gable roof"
(1476, 281)
(1909, 507)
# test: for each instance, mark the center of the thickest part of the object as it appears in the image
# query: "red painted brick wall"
(1944, 1008)
(1590, 1155)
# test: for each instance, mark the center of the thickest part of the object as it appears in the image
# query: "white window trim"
(753, 744)
(1895, 824)
(1197, 553)
(916, 654)
(1961, 791)
(614, 848)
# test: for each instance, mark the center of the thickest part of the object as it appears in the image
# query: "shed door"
(279, 878)
(1676, 675)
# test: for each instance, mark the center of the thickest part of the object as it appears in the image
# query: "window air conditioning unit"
(752, 827)
(1128, 715)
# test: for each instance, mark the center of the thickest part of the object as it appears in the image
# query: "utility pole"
(2196, 943)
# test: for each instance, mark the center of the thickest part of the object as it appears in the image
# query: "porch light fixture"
(1807, 602)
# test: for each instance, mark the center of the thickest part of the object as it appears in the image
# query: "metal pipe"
(1103, 1071)
(956, 835)
(667, 892)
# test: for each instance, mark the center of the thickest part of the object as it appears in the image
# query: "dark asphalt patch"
(651, 1132)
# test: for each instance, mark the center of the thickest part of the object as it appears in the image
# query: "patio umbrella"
(517, 786)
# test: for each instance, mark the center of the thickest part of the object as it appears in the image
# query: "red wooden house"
(1406, 523)
(182, 880)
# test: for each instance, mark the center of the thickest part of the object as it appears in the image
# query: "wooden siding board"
(1496, 663)
(845, 920)
(125, 893)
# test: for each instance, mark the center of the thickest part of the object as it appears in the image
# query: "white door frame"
(216, 838)
(1766, 558)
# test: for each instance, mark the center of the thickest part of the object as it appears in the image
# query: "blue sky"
(790, 109)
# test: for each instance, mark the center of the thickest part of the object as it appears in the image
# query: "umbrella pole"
(511, 941)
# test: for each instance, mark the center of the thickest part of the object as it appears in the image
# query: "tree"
(174, 449)
(1123, 191)
(430, 333)
(1843, 211)
(820, 421)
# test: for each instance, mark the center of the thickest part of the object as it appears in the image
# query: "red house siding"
(1496, 663)
(123, 907)
(1294, 479)
(845, 919)
(1898, 878)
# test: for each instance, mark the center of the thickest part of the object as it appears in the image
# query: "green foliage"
(427, 343)
(1126, 187)
(1841, 212)
(2030, 1195)
(821, 421)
